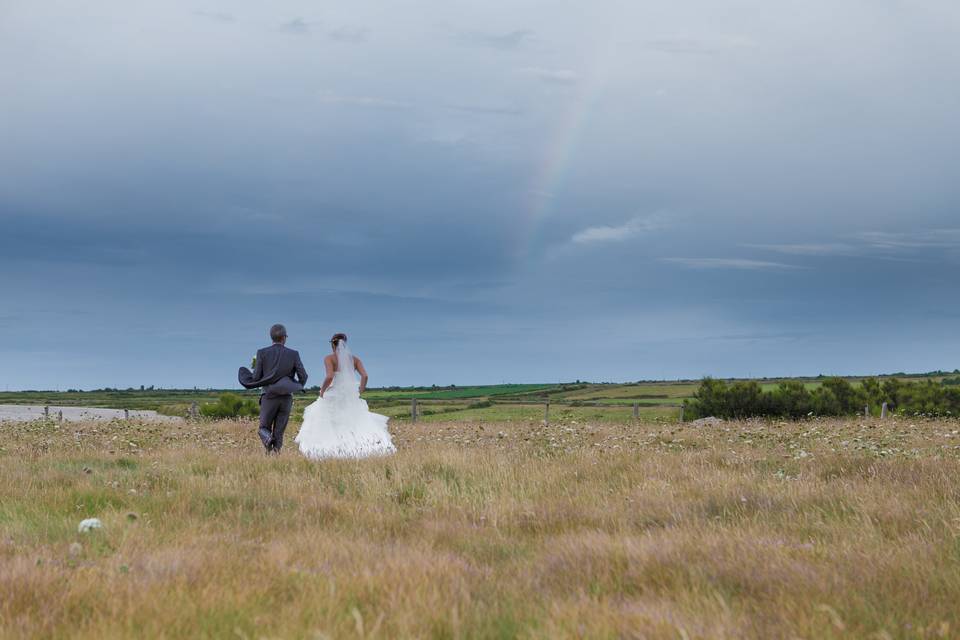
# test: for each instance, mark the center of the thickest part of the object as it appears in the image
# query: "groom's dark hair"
(278, 332)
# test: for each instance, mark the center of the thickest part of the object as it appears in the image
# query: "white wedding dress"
(340, 425)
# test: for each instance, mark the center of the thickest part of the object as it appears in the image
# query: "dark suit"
(280, 373)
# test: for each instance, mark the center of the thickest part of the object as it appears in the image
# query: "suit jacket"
(278, 371)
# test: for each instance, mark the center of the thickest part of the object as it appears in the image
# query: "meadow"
(655, 401)
(577, 529)
(492, 403)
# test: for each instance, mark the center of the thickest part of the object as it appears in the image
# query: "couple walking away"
(338, 424)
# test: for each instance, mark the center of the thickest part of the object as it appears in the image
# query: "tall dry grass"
(832, 529)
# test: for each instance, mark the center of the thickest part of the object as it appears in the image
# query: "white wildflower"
(89, 524)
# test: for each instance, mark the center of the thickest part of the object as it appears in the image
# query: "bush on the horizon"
(834, 397)
(231, 405)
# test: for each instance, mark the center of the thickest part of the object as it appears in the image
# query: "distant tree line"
(833, 397)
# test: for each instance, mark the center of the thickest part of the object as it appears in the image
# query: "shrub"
(231, 405)
(929, 398)
(792, 399)
(835, 397)
(745, 399)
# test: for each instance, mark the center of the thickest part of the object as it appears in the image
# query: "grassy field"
(586, 529)
(496, 403)
(657, 401)
(489, 391)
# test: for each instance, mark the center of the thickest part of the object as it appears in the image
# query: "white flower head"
(89, 524)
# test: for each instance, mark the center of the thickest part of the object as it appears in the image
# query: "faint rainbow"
(556, 159)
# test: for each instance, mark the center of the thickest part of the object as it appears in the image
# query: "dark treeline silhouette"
(833, 397)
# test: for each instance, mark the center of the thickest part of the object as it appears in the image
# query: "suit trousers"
(274, 415)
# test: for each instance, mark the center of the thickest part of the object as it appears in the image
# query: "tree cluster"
(832, 397)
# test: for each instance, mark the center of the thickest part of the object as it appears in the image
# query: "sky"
(478, 192)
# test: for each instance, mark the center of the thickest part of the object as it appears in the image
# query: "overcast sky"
(478, 192)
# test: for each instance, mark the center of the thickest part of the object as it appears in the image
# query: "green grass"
(638, 391)
(459, 392)
(504, 402)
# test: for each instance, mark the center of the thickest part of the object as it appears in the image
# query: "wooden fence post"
(413, 410)
(682, 408)
(636, 410)
(193, 410)
(61, 415)
(46, 412)
(126, 414)
(546, 413)
(883, 411)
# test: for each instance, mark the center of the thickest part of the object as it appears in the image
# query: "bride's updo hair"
(337, 339)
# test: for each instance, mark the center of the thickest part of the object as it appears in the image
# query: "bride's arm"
(358, 365)
(328, 363)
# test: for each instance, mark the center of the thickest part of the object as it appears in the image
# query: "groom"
(280, 373)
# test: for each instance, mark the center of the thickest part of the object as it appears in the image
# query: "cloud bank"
(468, 180)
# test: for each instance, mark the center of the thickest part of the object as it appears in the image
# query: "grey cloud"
(551, 76)
(811, 249)
(376, 102)
(496, 111)
(432, 161)
(343, 34)
(697, 45)
(872, 244)
(352, 35)
(750, 337)
(297, 26)
(923, 239)
(731, 263)
(216, 16)
(631, 228)
(372, 102)
(511, 40)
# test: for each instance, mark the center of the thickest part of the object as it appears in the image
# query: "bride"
(339, 424)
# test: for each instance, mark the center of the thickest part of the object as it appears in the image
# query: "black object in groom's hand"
(283, 387)
(278, 371)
